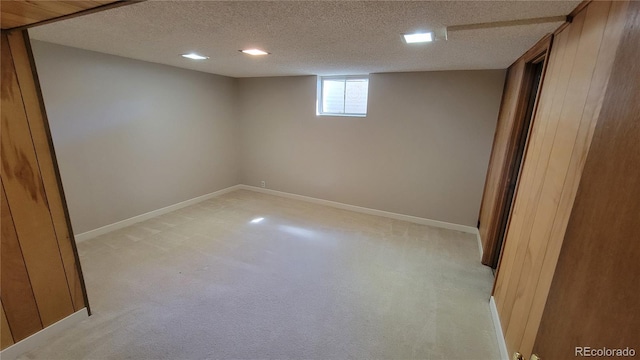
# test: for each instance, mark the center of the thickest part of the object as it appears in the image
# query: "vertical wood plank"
(27, 201)
(523, 197)
(17, 296)
(6, 338)
(595, 284)
(545, 91)
(564, 144)
(605, 57)
(571, 98)
(46, 159)
(538, 165)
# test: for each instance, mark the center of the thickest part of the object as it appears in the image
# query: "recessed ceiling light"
(194, 56)
(418, 37)
(254, 52)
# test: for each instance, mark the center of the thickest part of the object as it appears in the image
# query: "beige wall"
(423, 149)
(132, 136)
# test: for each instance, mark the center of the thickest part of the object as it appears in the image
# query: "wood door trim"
(539, 52)
(489, 239)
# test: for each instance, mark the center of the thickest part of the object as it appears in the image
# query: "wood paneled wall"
(41, 280)
(596, 281)
(572, 94)
(29, 13)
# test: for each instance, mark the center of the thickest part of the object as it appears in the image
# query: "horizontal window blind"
(344, 96)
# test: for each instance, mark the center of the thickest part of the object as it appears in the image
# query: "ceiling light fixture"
(254, 52)
(194, 56)
(418, 38)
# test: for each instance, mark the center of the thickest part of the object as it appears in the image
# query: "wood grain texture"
(595, 283)
(490, 211)
(36, 116)
(16, 292)
(6, 338)
(511, 120)
(28, 203)
(23, 12)
(557, 178)
(580, 63)
(533, 176)
(41, 276)
(510, 265)
(609, 44)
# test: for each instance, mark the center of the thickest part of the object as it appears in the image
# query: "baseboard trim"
(41, 337)
(334, 204)
(146, 216)
(479, 244)
(504, 355)
(136, 219)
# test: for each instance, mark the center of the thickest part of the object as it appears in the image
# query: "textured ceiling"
(309, 37)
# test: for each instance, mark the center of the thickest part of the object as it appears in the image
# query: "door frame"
(492, 246)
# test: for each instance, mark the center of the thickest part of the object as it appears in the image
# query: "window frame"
(320, 94)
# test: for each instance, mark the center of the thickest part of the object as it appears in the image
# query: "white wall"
(132, 136)
(423, 149)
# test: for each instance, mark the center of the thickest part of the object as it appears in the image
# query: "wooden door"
(580, 62)
(512, 130)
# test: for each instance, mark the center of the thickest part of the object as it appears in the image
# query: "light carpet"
(305, 282)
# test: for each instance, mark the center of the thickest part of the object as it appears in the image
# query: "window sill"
(343, 115)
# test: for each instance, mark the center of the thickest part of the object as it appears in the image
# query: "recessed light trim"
(254, 52)
(418, 37)
(194, 56)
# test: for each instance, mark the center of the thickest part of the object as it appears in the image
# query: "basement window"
(342, 95)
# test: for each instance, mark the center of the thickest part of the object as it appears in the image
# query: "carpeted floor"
(306, 282)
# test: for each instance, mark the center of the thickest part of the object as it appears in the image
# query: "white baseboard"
(136, 219)
(479, 243)
(504, 355)
(146, 216)
(409, 218)
(41, 337)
